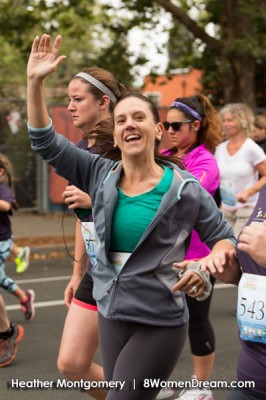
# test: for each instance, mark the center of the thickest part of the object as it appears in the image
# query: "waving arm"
(42, 62)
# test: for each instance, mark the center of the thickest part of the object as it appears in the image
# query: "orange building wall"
(181, 85)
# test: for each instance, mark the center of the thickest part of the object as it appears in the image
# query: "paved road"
(37, 354)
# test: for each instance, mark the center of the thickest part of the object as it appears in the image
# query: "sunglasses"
(175, 125)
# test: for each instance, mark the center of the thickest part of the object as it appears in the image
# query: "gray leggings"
(134, 353)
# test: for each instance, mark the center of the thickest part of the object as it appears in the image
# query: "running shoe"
(27, 306)
(9, 347)
(165, 393)
(195, 394)
(23, 259)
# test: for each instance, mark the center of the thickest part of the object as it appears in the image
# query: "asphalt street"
(36, 358)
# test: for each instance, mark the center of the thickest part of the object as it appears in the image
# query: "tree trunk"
(238, 63)
(238, 78)
(233, 48)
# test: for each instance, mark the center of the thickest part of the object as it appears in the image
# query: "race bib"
(251, 308)
(88, 233)
(227, 192)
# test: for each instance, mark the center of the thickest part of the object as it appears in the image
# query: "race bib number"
(251, 308)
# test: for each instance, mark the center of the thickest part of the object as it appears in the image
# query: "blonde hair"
(243, 114)
(8, 176)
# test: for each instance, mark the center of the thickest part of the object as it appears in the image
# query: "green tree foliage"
(85, 40)
(233, 59)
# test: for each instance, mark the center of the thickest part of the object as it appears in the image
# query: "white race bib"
(227, 192)
(251, 308)
(88, 233)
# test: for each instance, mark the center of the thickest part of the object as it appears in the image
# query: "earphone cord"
(64, 237)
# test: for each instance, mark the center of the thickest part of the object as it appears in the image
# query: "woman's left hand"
(190, 283)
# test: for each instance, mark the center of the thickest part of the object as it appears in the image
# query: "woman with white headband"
(92, 94)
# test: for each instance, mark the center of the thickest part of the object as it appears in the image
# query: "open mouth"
(132, 138)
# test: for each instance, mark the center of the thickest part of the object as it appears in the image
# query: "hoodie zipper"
(109, 291)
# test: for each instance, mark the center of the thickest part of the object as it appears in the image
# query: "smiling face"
(83, 106)
(231, 124)
(135, 129)
(186, 136)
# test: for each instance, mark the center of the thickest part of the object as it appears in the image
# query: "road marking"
(55, 303)
(65, 278)
(40, 304)
(37, 280)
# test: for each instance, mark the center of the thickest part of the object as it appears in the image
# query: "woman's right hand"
(71, 289)
(224, 266)
(43, 58)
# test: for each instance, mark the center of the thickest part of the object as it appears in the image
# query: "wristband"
(195, 266)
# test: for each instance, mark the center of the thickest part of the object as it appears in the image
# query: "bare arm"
(5, 206)
(79, 267)
(244, 196)
(42, 62)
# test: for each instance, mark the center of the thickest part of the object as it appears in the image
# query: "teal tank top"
(133, 214)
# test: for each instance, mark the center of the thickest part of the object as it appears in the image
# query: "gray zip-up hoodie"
(141, 292)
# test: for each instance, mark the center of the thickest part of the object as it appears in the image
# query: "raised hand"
(43, 58)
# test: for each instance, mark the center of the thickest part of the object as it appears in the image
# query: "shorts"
(83, 296)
